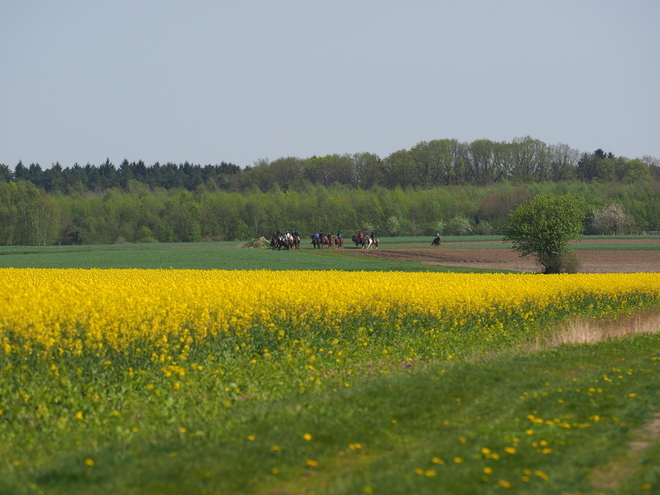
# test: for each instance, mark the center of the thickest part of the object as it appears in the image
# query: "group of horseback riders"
(365, 242)
(319, 240)
(291, 240)
(287, 240)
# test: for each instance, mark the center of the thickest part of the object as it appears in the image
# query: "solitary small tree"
(543, 226)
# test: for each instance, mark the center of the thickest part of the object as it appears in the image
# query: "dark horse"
(436, 241)
(359, 243)
(317, 242)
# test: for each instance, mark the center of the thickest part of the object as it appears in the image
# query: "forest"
(441, 185)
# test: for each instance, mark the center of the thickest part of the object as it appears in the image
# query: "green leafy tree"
(543, 226)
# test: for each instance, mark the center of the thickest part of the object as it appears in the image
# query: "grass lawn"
(553, 422)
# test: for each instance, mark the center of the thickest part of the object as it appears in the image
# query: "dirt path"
(508, 259)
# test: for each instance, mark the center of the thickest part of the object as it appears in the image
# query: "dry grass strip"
(593, 330)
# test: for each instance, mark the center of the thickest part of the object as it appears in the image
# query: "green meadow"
(232, 256)
(208, 256)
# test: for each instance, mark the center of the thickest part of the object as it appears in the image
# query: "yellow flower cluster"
(74, 309)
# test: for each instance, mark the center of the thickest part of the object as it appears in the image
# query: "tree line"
(428, 164)
(31, 216)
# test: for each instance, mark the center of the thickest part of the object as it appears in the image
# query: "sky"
(211, 81)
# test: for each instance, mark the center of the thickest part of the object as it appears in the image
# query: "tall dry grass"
(592, 330)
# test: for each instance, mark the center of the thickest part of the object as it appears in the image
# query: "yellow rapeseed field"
(74, 309)
(234, 380)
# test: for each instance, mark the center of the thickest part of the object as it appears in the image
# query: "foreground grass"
(556, 421)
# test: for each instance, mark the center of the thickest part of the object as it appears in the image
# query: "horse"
(369, 242)
(316, 242)
(296, 241)
(288, 241)
(281, 241)
(339, 242)
(359, 243)
(437, 240)
(327, 241)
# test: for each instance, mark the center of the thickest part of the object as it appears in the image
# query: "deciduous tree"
(542, 227)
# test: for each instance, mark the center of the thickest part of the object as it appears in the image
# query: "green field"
(230, 256)
(205, 256)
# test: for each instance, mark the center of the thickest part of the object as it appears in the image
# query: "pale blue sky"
(238, 81)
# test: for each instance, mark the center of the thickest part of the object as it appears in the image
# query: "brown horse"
(359, 243)
(327, 241)
(339, 242)
(436, 241)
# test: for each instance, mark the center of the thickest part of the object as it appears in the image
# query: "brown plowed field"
(508, 259)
